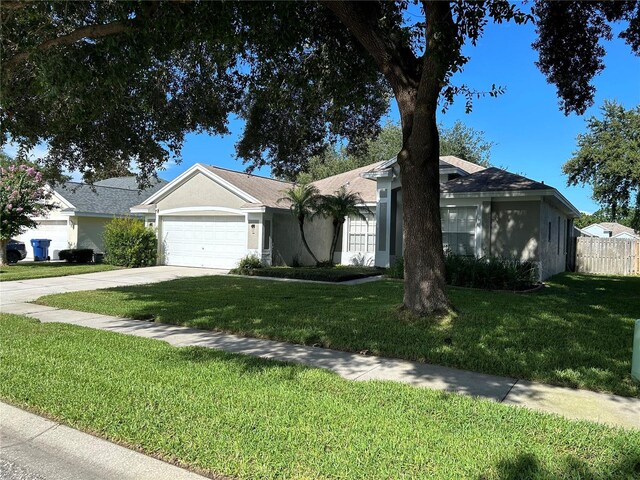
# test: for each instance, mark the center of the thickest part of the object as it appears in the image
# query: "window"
(459, 230)
(558, 235)
(362, 234)
(549, 233)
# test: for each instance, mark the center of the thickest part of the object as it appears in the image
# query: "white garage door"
(54, 230)
(207, 241)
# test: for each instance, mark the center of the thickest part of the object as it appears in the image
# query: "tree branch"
(396, 62)
(14, 5)
(90, 31)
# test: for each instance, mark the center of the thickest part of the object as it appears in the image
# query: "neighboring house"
(610, 230)
(81, 211)
(212, 217)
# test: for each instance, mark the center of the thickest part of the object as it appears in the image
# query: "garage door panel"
(54, 230)
(206, 241)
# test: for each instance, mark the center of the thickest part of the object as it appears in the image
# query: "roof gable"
(266, 191)
(464, 165)
(615, 228)
(352, 181)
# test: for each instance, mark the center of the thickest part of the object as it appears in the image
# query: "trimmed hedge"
(489, 273)
(323, 274)
(128, 243)
(76, 255)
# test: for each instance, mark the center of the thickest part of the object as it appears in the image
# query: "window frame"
(369, 232)
(471, 229)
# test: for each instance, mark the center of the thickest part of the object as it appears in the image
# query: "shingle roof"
(468, 167)
(131, 183)
(266, 190)
(615, 228)
(353, 181)
(491, 180)
(100, 199)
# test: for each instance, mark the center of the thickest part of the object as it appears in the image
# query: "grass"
(26, 271)
(578, 332)
(256, 419)
(323, 274)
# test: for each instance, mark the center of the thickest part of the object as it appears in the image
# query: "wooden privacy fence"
(613, 256)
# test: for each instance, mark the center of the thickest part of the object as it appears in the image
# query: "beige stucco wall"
(553, 254)
(201, 191)
(287, 243)
(515, 229)
(90, 231)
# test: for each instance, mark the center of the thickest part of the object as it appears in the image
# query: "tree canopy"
(120, 82)
(608, 159)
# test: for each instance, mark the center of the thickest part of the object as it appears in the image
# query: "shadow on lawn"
(527, 466)
(577, 332)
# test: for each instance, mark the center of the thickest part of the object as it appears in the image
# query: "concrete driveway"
(21, 291)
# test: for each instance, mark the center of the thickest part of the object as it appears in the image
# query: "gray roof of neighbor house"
(99, 199)
(131, 183)
(353, 181)
(264, 189)
(491, 180)
(615, 228)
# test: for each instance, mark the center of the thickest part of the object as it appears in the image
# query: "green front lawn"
(257, 419)
(26, 271)
(577, 332)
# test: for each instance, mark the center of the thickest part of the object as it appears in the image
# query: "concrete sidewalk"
(19, 291)
(575, 404)
(32, 447)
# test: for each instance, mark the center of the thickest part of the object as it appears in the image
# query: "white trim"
(172, 211)
(198, 167)
(253, 209)
(515, 194)
(377, 174)
(500, 193)
(98, 215)
(149, 209)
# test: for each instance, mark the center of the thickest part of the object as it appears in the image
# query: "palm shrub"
(128, 243)
(303, 200)
(249, 262)
(338, 206)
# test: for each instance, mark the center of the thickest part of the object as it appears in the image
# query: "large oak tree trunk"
(424, 270)
(416, 84)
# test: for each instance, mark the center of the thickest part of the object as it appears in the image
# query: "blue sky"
(532, 136)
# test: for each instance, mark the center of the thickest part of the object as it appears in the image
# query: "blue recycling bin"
(40, 248)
